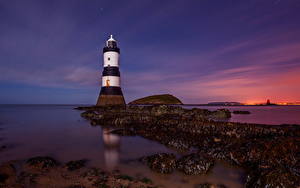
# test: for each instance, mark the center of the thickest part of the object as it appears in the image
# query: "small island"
(156, 99)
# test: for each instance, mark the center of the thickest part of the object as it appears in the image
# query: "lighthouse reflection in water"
(111, 149)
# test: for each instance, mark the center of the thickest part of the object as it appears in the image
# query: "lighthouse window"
(108, 58)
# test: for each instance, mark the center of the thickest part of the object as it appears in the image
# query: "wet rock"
(42, 162)
(194, 164)
(60, 177)
(75, 165)
(163, 163)
(240, 112)
(221, 114)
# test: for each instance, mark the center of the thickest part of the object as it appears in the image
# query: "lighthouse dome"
(111, 45)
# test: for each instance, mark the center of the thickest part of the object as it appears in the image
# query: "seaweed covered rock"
(194, 164)
(221, 114)
(42, 162)
(163, 162)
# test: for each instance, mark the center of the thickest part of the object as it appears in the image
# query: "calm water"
(59, 131)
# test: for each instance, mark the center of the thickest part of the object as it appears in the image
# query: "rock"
(221, 114)
(42, 162)
(163, 163)
(194, 164)
(240, 112)
(75, 165)
(157, 99)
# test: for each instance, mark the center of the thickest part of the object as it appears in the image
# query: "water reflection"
(111, 149)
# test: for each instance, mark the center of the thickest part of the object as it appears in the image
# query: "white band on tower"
(111, 59)
(111, 81)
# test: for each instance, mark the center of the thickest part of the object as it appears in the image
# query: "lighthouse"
(111, 93)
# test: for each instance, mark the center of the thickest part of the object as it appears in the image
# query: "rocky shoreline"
(269, 154)
(45, 172)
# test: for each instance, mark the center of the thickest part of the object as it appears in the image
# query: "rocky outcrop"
(260, 149)
(157, 99)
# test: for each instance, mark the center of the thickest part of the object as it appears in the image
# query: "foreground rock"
(162, 162)
(260, 149)
(157, 99)
(47, 172)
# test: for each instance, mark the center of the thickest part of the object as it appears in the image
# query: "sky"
(198, 50)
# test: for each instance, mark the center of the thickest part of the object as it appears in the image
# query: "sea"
(59, 131)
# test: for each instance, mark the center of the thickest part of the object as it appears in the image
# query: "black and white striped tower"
(111, 93)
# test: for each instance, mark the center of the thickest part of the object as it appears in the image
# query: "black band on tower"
(111, 90)
(111, 71)
(111, 49)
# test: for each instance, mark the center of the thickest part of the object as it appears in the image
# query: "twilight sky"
(199, 50)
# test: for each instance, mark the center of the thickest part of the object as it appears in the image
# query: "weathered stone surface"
(162, 162)
(194, 164)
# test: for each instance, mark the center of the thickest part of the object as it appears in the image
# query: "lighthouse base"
(106, 100)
